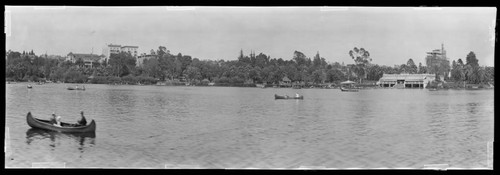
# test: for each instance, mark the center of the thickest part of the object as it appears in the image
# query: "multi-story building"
(116, 48)
(437, 63)
(88, 59)
(439, 53)
(132, 50)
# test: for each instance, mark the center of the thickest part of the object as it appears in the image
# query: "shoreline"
(442, 87)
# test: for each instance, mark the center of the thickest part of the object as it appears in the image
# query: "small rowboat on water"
(29, 86)
(276, 97)
(65, 127)
(77, 88)
(348, 89)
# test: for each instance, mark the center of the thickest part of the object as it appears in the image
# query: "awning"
(348, 82)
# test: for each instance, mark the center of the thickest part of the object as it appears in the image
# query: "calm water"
(224, 127)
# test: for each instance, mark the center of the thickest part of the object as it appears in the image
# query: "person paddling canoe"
(82, 121)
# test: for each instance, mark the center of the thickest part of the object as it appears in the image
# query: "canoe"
(29, 86)
(276, 97)
(66, 127)
(34, 132)
(348, 90)
(72, 88)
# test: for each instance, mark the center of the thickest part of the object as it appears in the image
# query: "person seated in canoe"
(297, 95)
(82, 121)
(55, 120)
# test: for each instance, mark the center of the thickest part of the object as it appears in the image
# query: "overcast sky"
(391, 35)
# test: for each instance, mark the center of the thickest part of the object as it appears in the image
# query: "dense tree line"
(246, 69)
(471, 72)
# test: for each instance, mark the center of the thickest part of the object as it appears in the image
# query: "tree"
(254, 74)
(261, 60)
(361, 58)
(122, 63)
(455, 71)
(472, 69)
(421, 69)
(438, 65)
(152, 68)
(374, 72)
(472, 60)
(317, 60)
(411, 67)
(318, 76)
(299, 58)
(192, 73)
(334, 75)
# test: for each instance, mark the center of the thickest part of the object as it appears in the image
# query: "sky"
(392, 35)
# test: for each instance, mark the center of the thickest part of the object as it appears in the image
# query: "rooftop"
(407, 77)
(86, 57)
(131, 46)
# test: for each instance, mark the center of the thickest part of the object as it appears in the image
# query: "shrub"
(113, 79)
(129, 79)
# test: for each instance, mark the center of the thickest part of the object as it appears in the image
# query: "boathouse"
(406, 80)
(285, 82)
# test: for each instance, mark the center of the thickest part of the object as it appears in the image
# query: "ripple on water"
(216, 127)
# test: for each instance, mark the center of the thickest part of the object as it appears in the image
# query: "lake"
(230, 127)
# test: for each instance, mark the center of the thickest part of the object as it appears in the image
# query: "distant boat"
(211, 84)
(76, 88)
(276, 97)
(29, 86)
(260, 85)
(473, 88)
(348, 89)
(433, 89)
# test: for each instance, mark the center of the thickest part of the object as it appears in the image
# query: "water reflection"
(361, 117)
(82, 139)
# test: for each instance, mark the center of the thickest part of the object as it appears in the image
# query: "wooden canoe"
(66, 127)
(33, 132)
(276, 97)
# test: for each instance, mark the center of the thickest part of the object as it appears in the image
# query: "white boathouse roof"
(407, 77)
